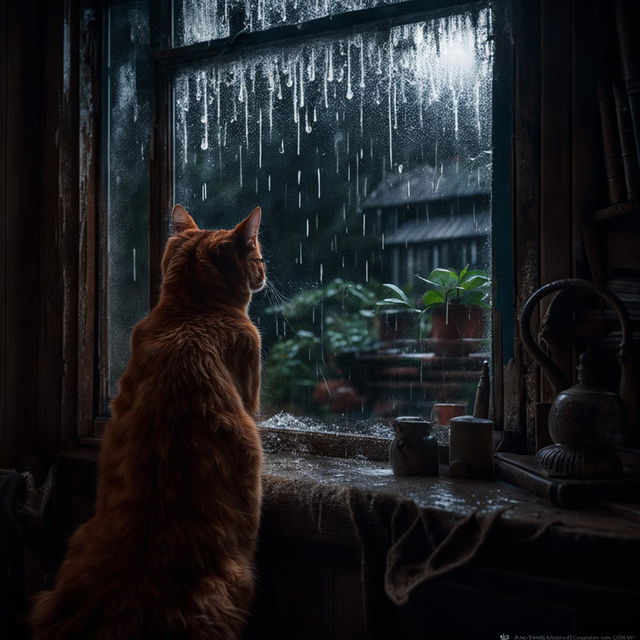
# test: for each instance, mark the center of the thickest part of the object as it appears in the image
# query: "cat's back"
(174, 353)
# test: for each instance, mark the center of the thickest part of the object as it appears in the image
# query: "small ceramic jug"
(414, 450)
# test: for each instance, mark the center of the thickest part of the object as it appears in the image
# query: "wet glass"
(370, 154)
(127, 178)
(203, 20)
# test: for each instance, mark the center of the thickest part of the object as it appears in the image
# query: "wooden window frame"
(166, 63)
(519, 261)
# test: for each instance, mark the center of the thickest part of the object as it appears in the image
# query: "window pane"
(200, 20)
(203, 20)
(371, 157)
(127, 178)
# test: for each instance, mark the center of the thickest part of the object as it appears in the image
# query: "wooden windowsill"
(339, 445)
(302, 472)
(307, 498)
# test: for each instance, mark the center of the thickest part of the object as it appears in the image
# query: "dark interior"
(346, 550)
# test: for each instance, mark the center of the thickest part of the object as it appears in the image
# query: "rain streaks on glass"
(370, 154)
(203, 20)
(129, 115)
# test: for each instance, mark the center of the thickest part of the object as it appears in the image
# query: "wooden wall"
(558, 178)
(38, 206)
(20, 144)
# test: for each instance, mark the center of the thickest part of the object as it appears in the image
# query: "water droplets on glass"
(127, 178)
(204, 20)
(370, 154)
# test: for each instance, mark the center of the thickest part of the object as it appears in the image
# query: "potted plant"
(455, 301)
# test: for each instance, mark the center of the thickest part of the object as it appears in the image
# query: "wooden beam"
(557, 253)
(19, 214)
(587, 170)
(520, 375)
(89, 144)
(4, 90)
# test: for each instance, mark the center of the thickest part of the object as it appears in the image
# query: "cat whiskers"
(277, 298)
(281, 304)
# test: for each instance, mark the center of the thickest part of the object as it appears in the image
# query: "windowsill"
(309, 496)
(324, 443)
(442, 493)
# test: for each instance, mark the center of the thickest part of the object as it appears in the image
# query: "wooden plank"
(102, 319)
(556, 203)
(3, 227)
(161, 199)
(339, 445)
(20, 278)
(520, 374)
(49, 365)
(586, 170)
(348, 613)
(502, 233)
(68, 221)
(556, 142)
(89, 69)
(161, 178)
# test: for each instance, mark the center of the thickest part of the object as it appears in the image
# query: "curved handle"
(551, 369)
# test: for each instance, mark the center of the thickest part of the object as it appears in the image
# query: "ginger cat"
(169, 551)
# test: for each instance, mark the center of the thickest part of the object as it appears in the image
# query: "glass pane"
(203, 20)
(200, 20)
(127, 177)
(371, 157)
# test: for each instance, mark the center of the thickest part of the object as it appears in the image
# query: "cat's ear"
(182, 221)
(248, 228)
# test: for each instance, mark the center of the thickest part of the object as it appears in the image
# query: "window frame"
(166, 60)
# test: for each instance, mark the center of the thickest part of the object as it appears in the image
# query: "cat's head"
(223, 266)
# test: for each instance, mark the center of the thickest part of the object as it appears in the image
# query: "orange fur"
(169, 551)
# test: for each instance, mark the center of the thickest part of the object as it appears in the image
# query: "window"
(127, 184)
(364, 129)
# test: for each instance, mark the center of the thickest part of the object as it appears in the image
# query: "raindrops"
(350, 143)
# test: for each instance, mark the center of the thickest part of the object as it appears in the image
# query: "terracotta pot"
(462, 322)
(455, 333)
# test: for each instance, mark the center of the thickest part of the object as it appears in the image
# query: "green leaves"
(432, 298)
(318, 325)
(400, 300)
(398, 291)
(470, 287)
(445, 278)
(474, 288)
